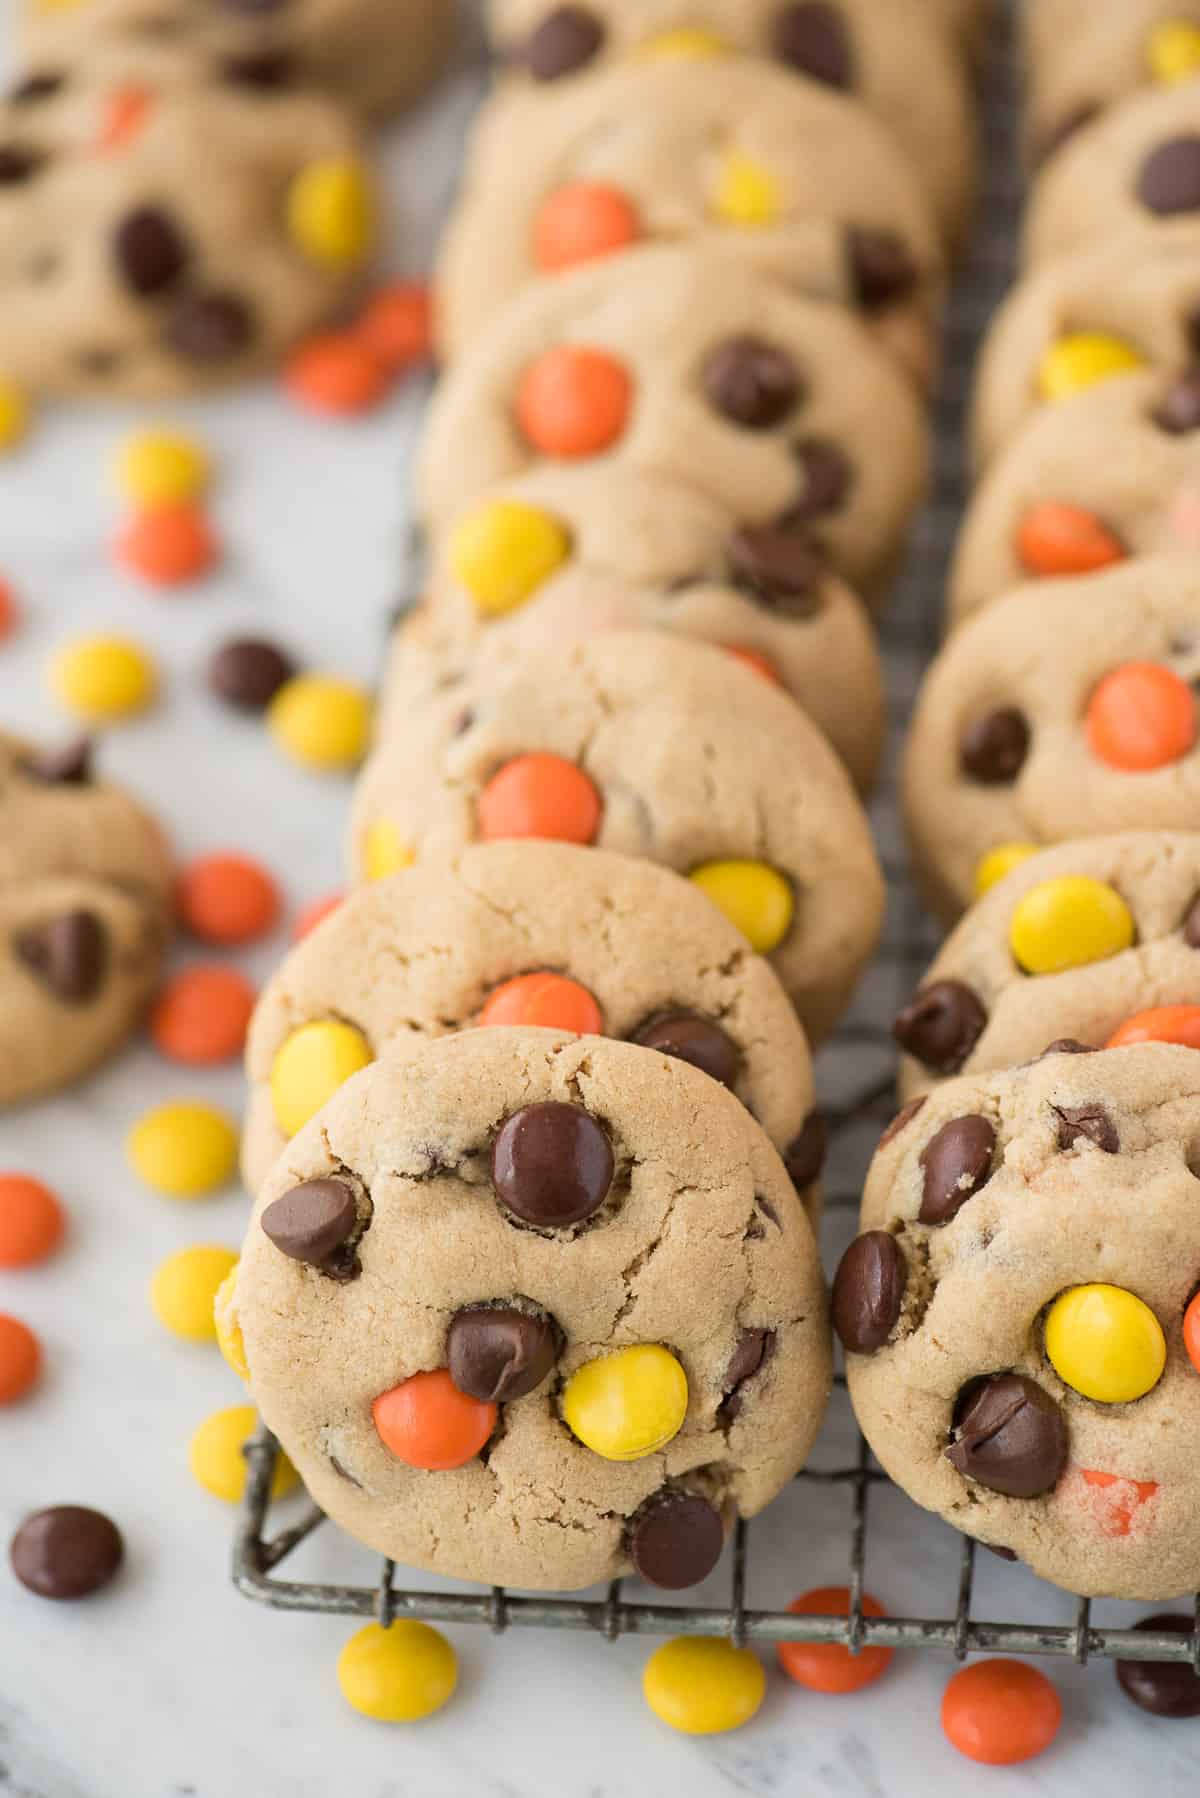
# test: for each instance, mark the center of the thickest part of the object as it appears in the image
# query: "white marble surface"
(170, 1684)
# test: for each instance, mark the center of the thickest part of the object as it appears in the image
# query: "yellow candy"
(331, 212)
(102, 678)
(321, 722)
(310, 1066)
(753, 896)
(228, 1330)
(703, 1685)
(502, 551)
(1173, 51)
(1082, 360)
(384, 851)
(999, 862)
(14, 414)
(1106, 1343)
(1067, 923)
(216, 1460)
(183, 1150)
(162, 468)
(686, 41)
(746, 193)
(185, 1287)
(399, 1674)
(628, 1404)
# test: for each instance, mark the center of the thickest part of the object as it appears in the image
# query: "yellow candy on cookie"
(384, 850)
(1083, 359)
(183, 1149)
(746, 193)
(686, 42)
(162, 468)
(14, 414)
(503, 550)
(755, 897)
(703, 1685)
(310, 1066)
(320, 721)
(228, 1330)
(998, 863)
(1173, 51)
(627, 1404)
(184, 1289)
(101, 679)
(1068, 922)
(399, 1674)
(1105, 1343)
(331, 212)
(217, 1462)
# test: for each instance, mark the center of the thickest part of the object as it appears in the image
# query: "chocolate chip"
(316, 1223)
(1066, 1045)
(1164, 1688)
(567, 39)
(1169, 179)
(901, 1121)
(265, 70)
(497, 1353)
(753, 1348)
(1010, 1436)
(882, 269)
(1179, 409)
(247, 672)
(675, 1540)
(1092, 1122)
(868, 1292)
(993, 748)
(150, 250)
(67, 1551)
(941, 1025)
(778, 568)
(1063, 129)
(812, 39)
(42, 85)
(828, 480)
(805, 1158)
(209, 327)
(18, 164)
(254, 8)
(957, 1163)
(552, 1165)
(751, 382)
(1191, 925)
(1001, 1554)
(696, 1040)
(68, 767)
(67, 954)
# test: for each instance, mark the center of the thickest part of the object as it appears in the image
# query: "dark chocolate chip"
(316, 1223)
(1191, 925)
(768, 1210)
(1009, 1436)
(828, 480)
(1066, 1045)
(1179, 409)
(1169, 179)
(67, 767)
(751, 382)
(42, 85)
(67, 1551)
(694, 1039)
(497, 1353)
(254, 8)
(957, 1163)
(882, 268)
(266, 70)
(18, 164)
(67, 954)
(1092, 1122)
(209, 327)
(812, 39)
(901, 1121)
(1001, 1554)
(753, 1348)
(567, 39)
(150, 250)
(247, 672)
(675, 1540)
(1063, 129)
(941, 1025)
(868, 1292)
(805, 1157)
(993, 748)
(1164, 1688)
(778, 568)
(552, 1165)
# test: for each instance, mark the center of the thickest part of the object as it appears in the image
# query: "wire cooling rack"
(857, 1072)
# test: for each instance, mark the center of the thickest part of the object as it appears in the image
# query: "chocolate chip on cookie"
(1169, 179)
(68, 954)
(552, 1165)
(1178, 412)
(695, 1039)
(900, 1122)
(777, 567)
(868, 1292)
(210, 327)
(150, 250)
(941, 1025)
(993, 748)
(496, 1353)
(752, 383)
(567, 39)
(882, 269)
(317, 1223)
(828, 480)
(812, 38)
(957, 1163)
(1010, 1436)
(804, 1158)
(1091, 1123)
(69, 766)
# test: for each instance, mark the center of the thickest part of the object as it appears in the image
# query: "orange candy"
(574, 402)
(168, 545)
(202, 1014)
(1141, 717)
(823, 1666)
(396, 325)
(337, 374)
(550, 1001)
(309, 916)
(20, 1359)
(757, 663)
(31, 1221)
(10, 612)
(582, 222)
(1161, 1024)
(124, 116)
(1057, 539)
(427, 1422)
(540, 796)
(227, 899)
(1191, 1332)
(1125, 1499)
(1001, 1712)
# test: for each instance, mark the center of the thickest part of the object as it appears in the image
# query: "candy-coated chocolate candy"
(226, 899)
(184, 1290)
(102, 679)
(1068, 922)
(580, 223)
(10, 611)
(20, 1359)
(627, 1404)
(496, 1353)
(14, 414)
(824, 1666)
(1164, 1688)
(755, 897)
(1054, 539)
(998, 863)
(1191, 1332)
(336, 374)
(66, 1552)
(396, 325)
(1009, 1435)
(320, 721)
(542, 796)
(1083, 359)
(331, 212)
(675, 1540)
(309, 1067)
(548, 1001)
(202, 1014)
(1142, 716)
(1105, 1343)
(217, 1462)
(314, 913)
(686, 41)
(1161, 1024)
(574, 402)
(703, 1685)
(228, 1330)
(1173, 51)
(427, 1422)
(502, 551)
(1001, 1712)
(746, 193)
(31, 1221)
(384, 850)
(183, 1149)
(162, 468)
(552, 1164)
(399, 1674)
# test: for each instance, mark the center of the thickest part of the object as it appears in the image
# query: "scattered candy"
(183, 1149)
(337, 373)
(1161, 1024)
(1001, 1712)
(320, 721)
(314, 913)
(1083, 359)
(1054, 539)
(1191, 1332)
(548, 1001)
(310, 1066)
(168, 545)
(247, 672)
(31, 1221)
(746, 194)
(628, 1404)
(227, 1329)
(703, 1685)
(573, 401)
(331, 212)
(1164, 1688)
(396, 325)
(201, 1015)
(103, 678)
(67, 1551)
(20, 1359)
(427, 1422)
(503, 551)
(14, 415)
(184, 1290)
(10, 611)
(824, 1666)
(217, 1462)
(226, 899)
(1105, 1343)
(385, 850)
(756, 898)
(1173, 51)
(540, 796)
(1068, 922)
(162, 468)
(399, 1674)
(1000, 862)
(1141, 716)
(582, 222)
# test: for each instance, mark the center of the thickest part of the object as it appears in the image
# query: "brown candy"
(150, 251)
(778, 568)
(1010, 1436)
(567, 39)
(805, 1157)
(882, 269)
(941, 1025)
(209, 327)
(316, 1223)
(675, 1540)
(1179, 409)
(957, 1163)
(752, 383)
(828, 478)
(812, 39)
(497, 1353)
(1164, 1688)
(67, 954)
(68, 767)
(868, 1292)
(552, 1165)
(1091, 1122)
(696, 1040)
(1169, 179)
(247, 672)
(900, 1122)
(67, 1551)
(993, 748)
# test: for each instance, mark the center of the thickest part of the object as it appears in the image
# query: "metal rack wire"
(857, 1083)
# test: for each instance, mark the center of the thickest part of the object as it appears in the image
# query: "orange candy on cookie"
(427, 1422)
(1001, 1712)
(1161, 1024)
(540, 796)
(549, 1001)
(574, 402)
(1140, 717)
(1055, 539)
(823, 1666)
(31, 1221)
(582, 222)
(20, 1359)
(1191, 1332)
(757, 664)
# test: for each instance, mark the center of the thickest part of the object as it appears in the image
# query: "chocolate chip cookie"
(1013, 1314)
(468, 1300)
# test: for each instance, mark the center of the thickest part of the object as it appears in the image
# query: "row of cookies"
(633, 857)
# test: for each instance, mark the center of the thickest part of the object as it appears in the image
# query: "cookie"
(541, 933)
(800, 181)
(878, 54)
(372, 56)
(1013, 1315)
(655, 748)
(561, 554)
(121, 274)
(1048, 505)
(85, 883)
(1066, 709)
(1093, 941)
(696, 368)
(1095, 316)
(536, 1311)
